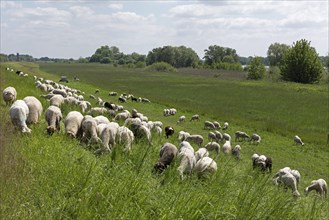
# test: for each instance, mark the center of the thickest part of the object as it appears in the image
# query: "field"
(56, 177)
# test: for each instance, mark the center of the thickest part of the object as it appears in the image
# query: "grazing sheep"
(98, 110)
(296, 175)
(320, 186)
(89, 129)
(35, 109)
(59, 92)
(145, 100)
(236, 152)
(217, 125)
(227, 147)
(72, 124)
(92, 97)
(158, 130)
(71, 100)
(96, 91)
(289, 181)
(57, 100)
(201, 152)
(122, 116)
(241, 136)
(298, 140)
(255, 138)
(53, 117)
(19, 112)
(187, 159)
(219, 135)
(226, 137)
(213, 146)
(212, 136)
(205, 166)
(84, 106)
(145, 132)
(197, 139)
(109, 105)
(122, 99)
(169, 131)
(107, 133)
(209, 125)
(195, 117)
(225, 126)
(126, 137)
(158, 123)
(181, 119)
(9, 95)
(182, 135)
(168, 152)
(101, 120)
(42, 87)
(262, 161)
(113, 94)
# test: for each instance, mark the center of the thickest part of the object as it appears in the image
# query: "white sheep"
(107, 134)
(236, 152)
(53, 117)
(181, 119)
(201, 152)
(9, 95)
(195, 117)
(125, 136)
(240, 135)
(89, 129)
(204, 166)
(35, 109)
(72, 123)
(158, 123)
(100, 119)
(84, 106)
(122, 116)
(298, 140)
(225, 126)
(227, 137)
(145, 132)
(61, 92)
(209, 125)
(57, 100)
(219, 135)
(227, 147)
(212, 136)
(213, 146)
(196, 138)
(289, 181)
(158, 130)
(187, 159)
(320, 186)
(19, 112)
(182, 135)
(168, 152)
(217, 125)
(98, 110)
(255, 138)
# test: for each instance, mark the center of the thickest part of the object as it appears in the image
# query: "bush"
(161, 67)
(140, 64)
(301, 64)
(256, 69)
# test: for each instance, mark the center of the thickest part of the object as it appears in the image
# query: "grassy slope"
(55, 177)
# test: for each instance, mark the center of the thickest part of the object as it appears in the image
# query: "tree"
(216, 54)
(275, 53)
(301, 63)
(256, 69)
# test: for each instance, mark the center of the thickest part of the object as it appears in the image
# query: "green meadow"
(55, 177)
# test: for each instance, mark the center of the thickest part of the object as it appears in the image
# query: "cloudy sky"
(73, 29)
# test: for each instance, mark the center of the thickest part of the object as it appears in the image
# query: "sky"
(76, 28)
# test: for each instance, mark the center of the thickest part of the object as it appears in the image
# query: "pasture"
(57, 177)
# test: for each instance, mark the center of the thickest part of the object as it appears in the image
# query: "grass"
(56, 177)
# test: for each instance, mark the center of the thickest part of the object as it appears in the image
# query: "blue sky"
(73, 29)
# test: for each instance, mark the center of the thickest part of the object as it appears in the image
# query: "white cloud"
(115, 6)
(9, 5)
(81, 11)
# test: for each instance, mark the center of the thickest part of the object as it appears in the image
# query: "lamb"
(255, 138)
(181, 119)
(57, 100)
(89, 129)
(169, 131)
(19, 112)
(201, 152)
(72, 123)
(225, 126)
(289, 181)
(198, 139)
(263, 162)
(195, 117)
(9, 95)
(205, 166)
(241, 135)
(182, 135)
(227, 147)
(125, 136)
(298, 140)
(236, 152)
(209, 125)
(213, 146)
(168, 152)
(35, 109)
(187, 159)
(320, 186)
(107, 134)
(53, 117)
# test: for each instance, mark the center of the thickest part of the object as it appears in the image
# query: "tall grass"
(55, 177)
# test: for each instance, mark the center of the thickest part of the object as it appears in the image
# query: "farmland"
(56, 177)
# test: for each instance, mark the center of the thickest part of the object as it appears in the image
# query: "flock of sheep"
(103, 135)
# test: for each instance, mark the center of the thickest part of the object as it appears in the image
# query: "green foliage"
(301, 63)
(161, 67)
(175, 56)
(140, 64)
(216, 54)
(275, 53)
(82, 60)
(256, 69)
(105, 60)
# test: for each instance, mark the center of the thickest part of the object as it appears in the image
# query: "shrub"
(256, 69)
(161, 67)
(140, 64)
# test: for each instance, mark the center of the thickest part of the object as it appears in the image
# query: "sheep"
(96, 91)
(144, 131)
(213, 146)
(113, 94)
(72, 124)
(227, 137)
(53, 117)
(122, 99)
(9, 95)
(35, 109)
(158, 130)
(236, 152)
(168, 152)
(195, 117)
(289, 181)
(298, 140)
(212, 136)
(89, 129)
(209, 125)
(42, 87)
(227, 147)
(262, 161)
(182, 135)
(71, 100)
(169, 131)
(187, 159)
(109, 105)
(201, 152)
(84, 106)
(205, 166)
(296, 175)
(158, 123)
(197, 139)
(60, 92)
(241, 135)
(320, 186)
(92, 96)
(57, 100)
(218, 135)
(255, 138)
(133, 99)
(107, 134)
(122, 116)
(225, 126)
(181, 119)
(217, 125)
(98, 110)
(145, 100)
(100, 101)
(101, 120)
(19, 112)
(125, 136)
